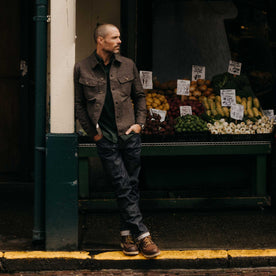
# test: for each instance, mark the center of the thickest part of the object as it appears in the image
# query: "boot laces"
(147, 241)
(129, 239)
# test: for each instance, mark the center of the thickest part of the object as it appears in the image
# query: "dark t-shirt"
(107, 120)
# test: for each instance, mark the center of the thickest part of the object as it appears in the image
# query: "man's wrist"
(142, 126)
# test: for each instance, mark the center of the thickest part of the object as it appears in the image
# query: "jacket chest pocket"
(125, 83)
(90, 88)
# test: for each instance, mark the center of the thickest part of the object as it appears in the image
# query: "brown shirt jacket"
(125, 85)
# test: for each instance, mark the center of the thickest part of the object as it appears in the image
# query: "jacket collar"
(94, 61)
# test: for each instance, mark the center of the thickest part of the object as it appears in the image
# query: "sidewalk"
(190, 240)
(188, 259)
(16, 216)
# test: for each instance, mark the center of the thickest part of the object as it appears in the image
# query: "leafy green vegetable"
(228, 81)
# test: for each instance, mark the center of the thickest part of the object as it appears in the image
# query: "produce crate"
(240, 137)
(178, 137)
(206, 137)
(197, 137)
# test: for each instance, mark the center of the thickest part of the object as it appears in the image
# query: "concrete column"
(61, 199)
(62, 59)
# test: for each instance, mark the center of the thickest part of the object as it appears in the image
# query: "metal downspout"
(40, 121)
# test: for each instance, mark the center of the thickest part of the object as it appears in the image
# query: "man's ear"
(100, 39)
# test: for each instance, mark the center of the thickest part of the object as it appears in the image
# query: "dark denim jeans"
(123, 163)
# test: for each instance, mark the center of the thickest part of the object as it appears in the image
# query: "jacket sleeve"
(139, 99)
(80, 106)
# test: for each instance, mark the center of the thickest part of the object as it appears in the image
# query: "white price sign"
(183, 87)
(185, 110)
(234, 67)
(198, 72)
(162, 113)
(237, 111)
(146, 79)
(228, 97)
(269, 113)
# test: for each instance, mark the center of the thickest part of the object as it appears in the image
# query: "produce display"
(175, 103)
(156, 101)
(214, 108)
(190, 123)
(154, 126)
(208, 114)
(228, 81)
(261, 126)
(200, 88)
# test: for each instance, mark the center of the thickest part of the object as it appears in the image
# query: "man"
(111, 107)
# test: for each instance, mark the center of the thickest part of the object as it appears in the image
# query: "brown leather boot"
(128, 245)
(148, 248)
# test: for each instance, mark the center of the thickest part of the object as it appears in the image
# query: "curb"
(13, 261)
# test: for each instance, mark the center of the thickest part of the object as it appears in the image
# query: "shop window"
(169, 36)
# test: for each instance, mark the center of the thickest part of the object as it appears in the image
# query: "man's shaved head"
(101, 30)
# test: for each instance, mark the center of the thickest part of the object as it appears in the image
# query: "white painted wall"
(62, 60)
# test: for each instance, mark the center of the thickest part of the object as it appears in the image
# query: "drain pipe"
(40, 20)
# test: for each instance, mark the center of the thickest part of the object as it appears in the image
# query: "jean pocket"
(99, 141)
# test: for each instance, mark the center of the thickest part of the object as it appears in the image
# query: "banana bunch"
(213, 107)
(251, 106)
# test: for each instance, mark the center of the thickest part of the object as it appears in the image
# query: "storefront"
(213, 158)
(180, 34)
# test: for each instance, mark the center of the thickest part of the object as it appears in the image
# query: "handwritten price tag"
(185, 110)
(183, 87)
(234, 67)
(198, 72)
(228, 97)
(146, 79)
(269, 113)
(237, 112)
(162, 113)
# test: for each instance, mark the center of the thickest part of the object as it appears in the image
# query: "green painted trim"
(261, 175)
(84, 177)
(61, 192)
(179, 203)
(173, 149)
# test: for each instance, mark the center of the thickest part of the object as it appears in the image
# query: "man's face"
(111, 42)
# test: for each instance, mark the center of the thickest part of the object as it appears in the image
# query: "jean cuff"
(125, 233)
(143, 236)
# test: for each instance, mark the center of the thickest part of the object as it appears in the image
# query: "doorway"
(16, 96)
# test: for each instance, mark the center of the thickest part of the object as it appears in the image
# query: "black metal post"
(40, 110)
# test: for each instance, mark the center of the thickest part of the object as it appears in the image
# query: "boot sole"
(133, 253)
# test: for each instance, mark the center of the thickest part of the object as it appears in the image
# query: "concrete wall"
(89, 13)
(62, 59)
